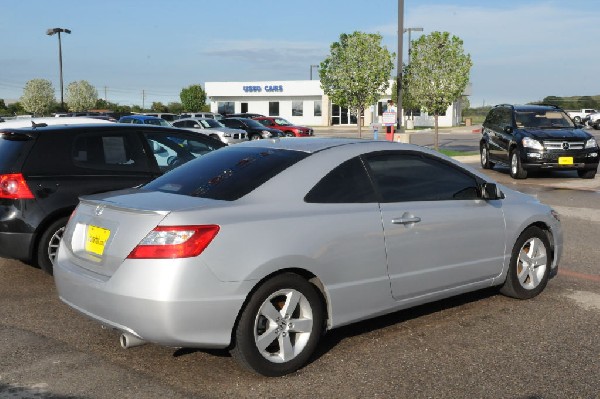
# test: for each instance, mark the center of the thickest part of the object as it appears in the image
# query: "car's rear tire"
(289, 134)
(516, 168)
(586, 173)
(485, 157)
(577, 119)
(279, 327)
(48, 245)
(529, 267)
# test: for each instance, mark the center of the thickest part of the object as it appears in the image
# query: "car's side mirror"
(508, 129)
(490, 191)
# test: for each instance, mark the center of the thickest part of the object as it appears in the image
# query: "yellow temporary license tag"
(96, 239)
(565, 160)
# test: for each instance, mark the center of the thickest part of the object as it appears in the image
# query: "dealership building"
(303, 102)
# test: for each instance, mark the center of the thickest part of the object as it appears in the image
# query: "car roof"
(103, 125)
(307, 144)
(141, 117)
(50, 121)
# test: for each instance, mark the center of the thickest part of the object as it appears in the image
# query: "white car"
(214, 129)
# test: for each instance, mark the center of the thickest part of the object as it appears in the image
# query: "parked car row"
(230, 129)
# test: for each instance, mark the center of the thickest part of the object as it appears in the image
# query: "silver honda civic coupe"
(263, 246)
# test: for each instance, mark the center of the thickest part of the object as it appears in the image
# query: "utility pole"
(399, 62)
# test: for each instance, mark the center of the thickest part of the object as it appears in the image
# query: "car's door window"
(402, 177)
(347, 183)
(108, 151)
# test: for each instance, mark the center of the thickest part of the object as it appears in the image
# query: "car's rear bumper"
(15, 245)
(156, 301)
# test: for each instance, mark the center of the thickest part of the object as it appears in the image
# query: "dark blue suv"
(534, 137)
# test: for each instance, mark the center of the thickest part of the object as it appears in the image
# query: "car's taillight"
(174, 242)
(14, 186)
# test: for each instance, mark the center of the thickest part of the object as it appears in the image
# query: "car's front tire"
(485, 157)
(530, 264)
(586, 173)
(289, 134)
(516, 168)
(279, 327)
(48, 245)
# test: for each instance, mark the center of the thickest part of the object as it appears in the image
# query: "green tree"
(408, 102)
(193, 98)
(356, 72)
(3, 108)
(81, 96)
(175, 108)
(38, 96)
(15, 109)
(159, 107)
(438, 73)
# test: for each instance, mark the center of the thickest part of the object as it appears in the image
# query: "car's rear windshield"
(227, 174)
(11, 147)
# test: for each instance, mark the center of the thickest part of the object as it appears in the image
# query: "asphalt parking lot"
(481, 345)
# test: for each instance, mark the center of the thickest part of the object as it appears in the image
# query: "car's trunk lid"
(105, 228)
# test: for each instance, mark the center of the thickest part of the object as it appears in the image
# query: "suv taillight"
(14, 186)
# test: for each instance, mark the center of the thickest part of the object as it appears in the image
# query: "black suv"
(255, 129)
(44, 169)
(533, 137)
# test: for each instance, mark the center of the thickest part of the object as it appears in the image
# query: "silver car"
(213, 128)
(263, 246)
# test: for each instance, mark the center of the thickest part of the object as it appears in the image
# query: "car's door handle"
(406, 218)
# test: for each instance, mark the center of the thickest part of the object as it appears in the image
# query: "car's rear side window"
(227, 174)
(11, 147)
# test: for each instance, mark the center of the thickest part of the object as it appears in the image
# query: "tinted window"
(108, 151)
(401, 177)
(274, 108)
(11, 147)
(227, 174)
(347, 183)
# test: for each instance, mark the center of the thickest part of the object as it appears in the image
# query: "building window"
(297, 108)
(226, 107)
(244, 108)
(273, 108)
(318, 108)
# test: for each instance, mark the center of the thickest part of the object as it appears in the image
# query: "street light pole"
(311, 69)
(409, 39)
(58, 31)
(399, 63)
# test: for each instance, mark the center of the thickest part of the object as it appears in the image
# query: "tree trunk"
(436, 142)
(358, 117)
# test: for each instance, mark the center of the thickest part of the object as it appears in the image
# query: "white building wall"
(258, 95)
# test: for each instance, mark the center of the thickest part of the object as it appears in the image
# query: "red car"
(286, 127)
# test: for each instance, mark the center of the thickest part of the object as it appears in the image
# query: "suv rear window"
(227, 174)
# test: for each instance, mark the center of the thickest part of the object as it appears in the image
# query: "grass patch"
(454, 153)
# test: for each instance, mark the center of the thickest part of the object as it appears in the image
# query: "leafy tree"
(81, 96)
(408, 102)
(2, 106)
(38, 96)
(356, 72)
(175, 108)
(159, 107)
(193, 98)
(15, 109)
(438, 73)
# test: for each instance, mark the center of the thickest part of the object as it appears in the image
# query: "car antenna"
(34, 125)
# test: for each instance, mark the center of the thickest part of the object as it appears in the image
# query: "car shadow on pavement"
(334, 337)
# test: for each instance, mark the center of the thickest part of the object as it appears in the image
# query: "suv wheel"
(516, 169)
(48, 245)
(485, 157)
(586, 173)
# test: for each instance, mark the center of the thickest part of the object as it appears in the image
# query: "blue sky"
(521, 50)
